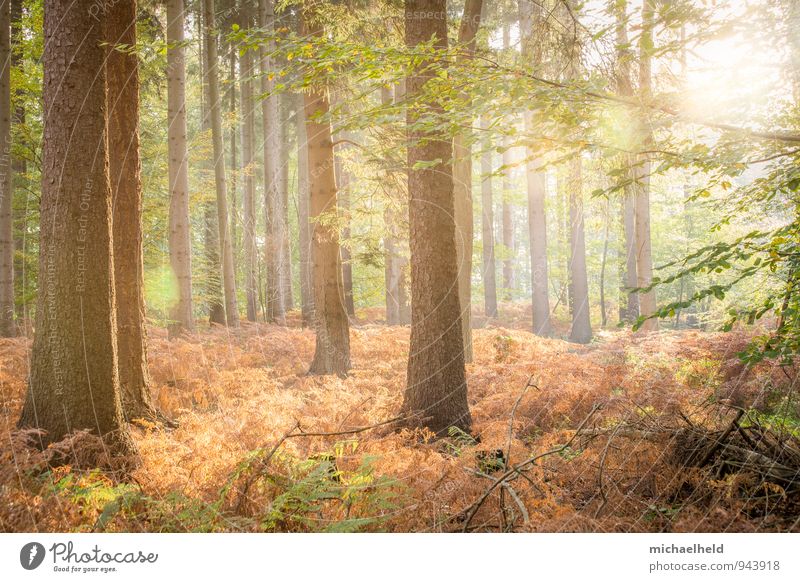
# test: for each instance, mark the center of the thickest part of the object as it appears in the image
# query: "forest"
(399, 265)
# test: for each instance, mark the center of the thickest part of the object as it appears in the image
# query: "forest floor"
(237, 394)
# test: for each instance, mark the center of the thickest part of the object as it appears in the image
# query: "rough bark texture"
(332, 354)
(304, 225)
(462, 184)
(487, 227)
(73, 374)
(180, 253)
(644, 249)
(212, 87)
(249, 195)
(436, 390)
(7, 326)
(276, 308)
(126, 187)
(581, 331)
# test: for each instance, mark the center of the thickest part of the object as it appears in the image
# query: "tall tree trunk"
(7, 325)
(343, 197)
(249, 217)
(629, 303)
(436, 389)
(304, 225)
(270, 119)
(535, 182)
(332, 355)
(581, 331)
(74, 382)
(390, 244)
(487, 226)
(644, 250)
(462, 183)
(126, 187)
(507, 219)
(285, 251)
(226, 249)
(180, 253)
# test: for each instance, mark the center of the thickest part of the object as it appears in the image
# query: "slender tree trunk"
(73, 381)
(537, 231)
(581, 331)
(285, 251)
(343, 197)
(629, 303)
(234, 137)
(487, 226)
(535, 182)
(343, 177)
(462, 183)
(126, 187)
(226, 250)
(304, 225)
(603, 265)
(390, 245)
(644, 251)
(332, 355)
(436, 389)
(269, 112)
(507, 219)
(7, 325)
(180, 255)
(249, 217)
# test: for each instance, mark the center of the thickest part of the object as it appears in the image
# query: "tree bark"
(304, 225)
(226, 249)
(276, 308)
(74, 383)
(462, 182)
(180, 253)
(507, 219)
(436, 389)
(487, 226)
(644, 250)
(332, 354)
(126, 187)
(581, 331)
(249, 194)
(7, 324)
(285, 249)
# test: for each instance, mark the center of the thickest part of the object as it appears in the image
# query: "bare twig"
(473, 509)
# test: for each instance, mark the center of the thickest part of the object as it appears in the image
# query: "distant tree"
(629, 303)
(303, 221)
(581, 331)
(73, 382)
(530, 17)
(462, 182)
(180, 253)
(644, 245)
(436, 385)
(212, 88)
(487, 225)
(275, 303)
(248, 158)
